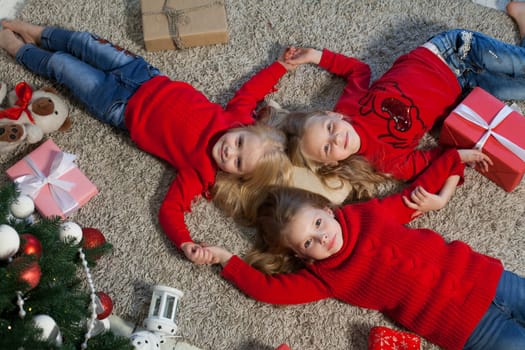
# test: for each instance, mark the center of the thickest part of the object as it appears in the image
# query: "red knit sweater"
(436, 289)
(394, 113)
(174, 121)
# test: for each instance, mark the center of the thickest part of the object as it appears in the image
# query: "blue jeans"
(101, 75)
(479, 60)
(503, 325)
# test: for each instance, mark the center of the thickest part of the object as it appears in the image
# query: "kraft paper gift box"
(484, 122)
(197, 22)
(172, 24)
(155, 26)
(52, 179)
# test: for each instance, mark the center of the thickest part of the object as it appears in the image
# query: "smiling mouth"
(330, 244)
(221, 152)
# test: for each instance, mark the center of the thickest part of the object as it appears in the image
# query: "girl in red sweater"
(169, 119)
(365, 255)
(384, 122)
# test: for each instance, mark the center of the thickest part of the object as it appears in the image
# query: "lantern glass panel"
(170, 305)
(156, 300)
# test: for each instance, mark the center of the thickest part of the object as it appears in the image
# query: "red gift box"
(383, 338)
(52, 179)
(484, 122)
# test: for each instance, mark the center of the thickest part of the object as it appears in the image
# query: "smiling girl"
(364, 254)
(169, 119)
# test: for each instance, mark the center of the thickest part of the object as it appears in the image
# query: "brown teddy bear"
(30, 115)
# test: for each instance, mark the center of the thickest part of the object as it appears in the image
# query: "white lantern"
(163, 310)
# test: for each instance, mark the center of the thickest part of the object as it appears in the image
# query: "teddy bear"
(30, 114)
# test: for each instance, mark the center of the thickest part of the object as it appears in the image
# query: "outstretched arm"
(423, 201)
(254, 90)
(441, 179)
(291, 288)
(177, 201)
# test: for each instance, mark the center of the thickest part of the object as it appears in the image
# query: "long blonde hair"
(356, 171)
(238, 196)
(271, 253)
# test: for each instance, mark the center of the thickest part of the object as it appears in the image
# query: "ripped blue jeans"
(503, 325)
(479, 60)
(101, 75)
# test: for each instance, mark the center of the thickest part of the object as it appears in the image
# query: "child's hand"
(197, 253)
(475, 158)
(298, 55)
(422, 201)
(220, 255)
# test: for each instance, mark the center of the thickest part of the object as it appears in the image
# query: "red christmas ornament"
(30, 245)
(31, 272)
(104, 305)
(92, 238)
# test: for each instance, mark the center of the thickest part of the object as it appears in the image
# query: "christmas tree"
(44, 301)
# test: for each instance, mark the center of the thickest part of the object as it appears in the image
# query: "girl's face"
(238, 152)
(327, 139)
(314, 233)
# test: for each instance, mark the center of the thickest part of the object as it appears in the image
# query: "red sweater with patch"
(174, 121)
(437, 289)
(392, 114)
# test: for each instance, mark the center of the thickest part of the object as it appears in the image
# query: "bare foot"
(10, 42)
(516, 10)
(30, 33)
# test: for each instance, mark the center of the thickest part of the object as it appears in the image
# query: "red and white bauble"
(70, 232)
(104, 305)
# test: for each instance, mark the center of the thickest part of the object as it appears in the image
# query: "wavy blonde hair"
(362, 178)
(271, 253)
(238, 196)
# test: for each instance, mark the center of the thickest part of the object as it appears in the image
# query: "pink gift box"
(50, 177)
(482, 120)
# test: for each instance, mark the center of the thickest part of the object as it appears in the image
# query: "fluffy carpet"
(213, 314)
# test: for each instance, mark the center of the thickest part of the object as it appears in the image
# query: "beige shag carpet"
(213, 314)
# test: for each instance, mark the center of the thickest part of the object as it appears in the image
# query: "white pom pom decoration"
(22, 207)
(9, 242)
(70, 230)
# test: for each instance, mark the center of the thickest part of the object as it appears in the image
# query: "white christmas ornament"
(9, 242)
(145, 340)
(49, 327)
(70, 231)
(22, 207)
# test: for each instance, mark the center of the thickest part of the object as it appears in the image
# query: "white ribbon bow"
(470, 115)
(31, 184)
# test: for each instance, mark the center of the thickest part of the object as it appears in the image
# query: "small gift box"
(197, 22)
(155, 26)
(383, 338)
(52, 179)
(484, 122)
(171, 24)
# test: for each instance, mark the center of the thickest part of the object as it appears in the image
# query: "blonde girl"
(385, 121)
(169, 119)
(364, 254)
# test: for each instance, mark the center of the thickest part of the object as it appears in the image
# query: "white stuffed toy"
(30, 115)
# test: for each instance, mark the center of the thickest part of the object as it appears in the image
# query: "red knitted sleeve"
(356, 73)
(291, 288)
(255, 89)
(177, 201)
(432, 180)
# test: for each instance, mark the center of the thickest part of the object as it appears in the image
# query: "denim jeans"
(101, 75)
(503, 325)
(479, 60)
